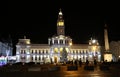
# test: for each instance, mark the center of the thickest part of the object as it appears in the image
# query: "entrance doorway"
(55, 59)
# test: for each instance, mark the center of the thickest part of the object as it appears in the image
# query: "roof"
(80, 46)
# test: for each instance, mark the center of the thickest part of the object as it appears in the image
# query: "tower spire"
(60, 24)
(60, 13)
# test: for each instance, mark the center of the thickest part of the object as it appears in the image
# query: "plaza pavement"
(52, 70)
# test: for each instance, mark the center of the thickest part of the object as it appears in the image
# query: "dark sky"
(37, 20)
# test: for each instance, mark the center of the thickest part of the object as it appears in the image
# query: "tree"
(64, 55)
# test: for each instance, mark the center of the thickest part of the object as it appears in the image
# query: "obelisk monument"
(107, 53)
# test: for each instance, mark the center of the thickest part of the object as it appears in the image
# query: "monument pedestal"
(108, 56)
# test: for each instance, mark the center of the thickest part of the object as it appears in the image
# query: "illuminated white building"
(57, 45)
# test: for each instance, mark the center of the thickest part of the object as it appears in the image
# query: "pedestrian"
(80, 62)
(95, 62)
(87, 62)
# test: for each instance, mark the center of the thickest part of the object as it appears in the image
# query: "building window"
(86, 52)
(66, 41)
(42, 58)
(73, 52)
(61, 41)
(35, 58)
(39, 58)
(39, 52)
(47, 51)
(22, 57)
(21, 51)
(55, 41)
(31, 58)
(32, 51)
(24, 51)
(96, 53)
(76, 51)
(81, 52)
(35, 51)
(50, 42)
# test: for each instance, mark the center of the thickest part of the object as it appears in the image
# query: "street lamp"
(119, 57)
(70, 43)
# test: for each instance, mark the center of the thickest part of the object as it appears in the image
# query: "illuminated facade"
(58, 49)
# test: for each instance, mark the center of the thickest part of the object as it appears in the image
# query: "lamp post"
(70, 43)
(119, 58)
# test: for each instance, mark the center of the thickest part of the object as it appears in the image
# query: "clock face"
(60, 23)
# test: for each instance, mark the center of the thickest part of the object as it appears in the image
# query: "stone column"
(58, 41)
(18, 53)
(64, 41)
(52, 41)
(49, 41)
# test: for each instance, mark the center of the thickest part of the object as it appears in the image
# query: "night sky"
(83, 20)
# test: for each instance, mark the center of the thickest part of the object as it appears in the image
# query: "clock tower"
(60, 24)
